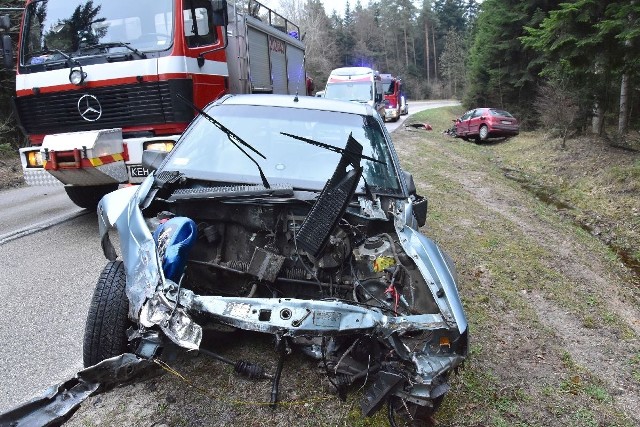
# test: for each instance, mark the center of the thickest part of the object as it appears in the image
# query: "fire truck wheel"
(89, 196)
(105, 333)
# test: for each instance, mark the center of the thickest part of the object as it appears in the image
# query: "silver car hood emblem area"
(89, 108)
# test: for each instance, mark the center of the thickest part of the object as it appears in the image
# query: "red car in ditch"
(484, 123)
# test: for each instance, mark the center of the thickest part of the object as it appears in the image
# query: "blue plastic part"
(174, 240)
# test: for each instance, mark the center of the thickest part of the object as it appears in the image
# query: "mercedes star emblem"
(89, 108)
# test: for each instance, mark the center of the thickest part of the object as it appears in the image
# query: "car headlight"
(159, 145)
(76, 77)
(34, 159)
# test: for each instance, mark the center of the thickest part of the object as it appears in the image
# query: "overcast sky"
(329, 5)
(339, 5)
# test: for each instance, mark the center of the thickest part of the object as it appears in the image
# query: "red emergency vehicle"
(395, 103)
(100, 81)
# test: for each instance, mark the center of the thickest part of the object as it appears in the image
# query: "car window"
(500, 113)
(466, 115)
(198, 27)
(476, 113)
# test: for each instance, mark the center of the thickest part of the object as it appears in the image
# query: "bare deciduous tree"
(321, 51)
(557, 108)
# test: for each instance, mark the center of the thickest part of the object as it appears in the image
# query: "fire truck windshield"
(68, 26)
(350, 91)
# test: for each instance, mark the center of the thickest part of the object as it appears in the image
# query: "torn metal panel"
(430, 367)
(438, 275)
(174, 322)
(58, 403)
(122, 210)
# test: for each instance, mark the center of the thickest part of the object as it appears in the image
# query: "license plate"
(137, 171)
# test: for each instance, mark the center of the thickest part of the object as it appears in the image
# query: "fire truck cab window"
(56, 29)
(198, 27)
(389, 88)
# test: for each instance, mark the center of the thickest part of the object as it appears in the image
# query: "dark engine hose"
(276, 378)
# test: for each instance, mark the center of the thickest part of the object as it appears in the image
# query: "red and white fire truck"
(395, 103)
(99, 81)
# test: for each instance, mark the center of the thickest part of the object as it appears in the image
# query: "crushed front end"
(354, 285)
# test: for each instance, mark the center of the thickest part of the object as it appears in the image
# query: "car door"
(475, 121)
(462, 126)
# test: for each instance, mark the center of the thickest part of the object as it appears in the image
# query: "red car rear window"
(500, 113)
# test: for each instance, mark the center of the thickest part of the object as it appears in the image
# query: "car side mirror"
(152, 159)
(419, 204)
(7, 52)
(482, 118)
(5, 22)
(411, 185)
(220, 16)
(458, 120)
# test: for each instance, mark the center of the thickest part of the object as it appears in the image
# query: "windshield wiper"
(50, 65)
(235, 139)
(332, 147)
(116, 44)
(67, 58)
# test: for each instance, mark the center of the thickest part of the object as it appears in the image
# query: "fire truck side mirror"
(7, 52)
(378, 96)
(5, 23)
(219, 9)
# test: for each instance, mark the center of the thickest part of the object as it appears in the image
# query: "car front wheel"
(105, 333)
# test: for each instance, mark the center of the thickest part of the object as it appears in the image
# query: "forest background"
(570, 67)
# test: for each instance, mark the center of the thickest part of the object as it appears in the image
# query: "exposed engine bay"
(362, 306)
(250, 251)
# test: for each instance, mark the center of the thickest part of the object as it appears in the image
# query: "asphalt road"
(51, 259)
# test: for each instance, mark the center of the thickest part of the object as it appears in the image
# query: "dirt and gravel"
(556, 312)
(554, 319)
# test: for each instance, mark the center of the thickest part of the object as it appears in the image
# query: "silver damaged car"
(289, 216)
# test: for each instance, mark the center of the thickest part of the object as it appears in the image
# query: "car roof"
(348, 71)
(302, 102)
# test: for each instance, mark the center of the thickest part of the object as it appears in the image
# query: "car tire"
(105, 333)
(87, 197)
(483, 133)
